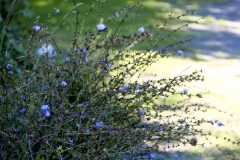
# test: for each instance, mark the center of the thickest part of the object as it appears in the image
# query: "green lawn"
(153, 12)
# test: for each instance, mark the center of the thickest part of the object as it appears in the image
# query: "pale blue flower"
(57, 10)
(152, 156)
(86, 59)
(180, 52)
(101, 27)
(66, 59)
(180, 127)
(141, 30)
(63, 84)
(22, 111)
(160, 129)
(44, 107)
(109, 64)
(22, 97)
(84, 104)
(116, 14)
(75, 49)
(220, 124)
(185, 91)
(36, 28)
(99, 124)
(70, 140)
(84, 51)
(142, 111)
(46, 113)
(138, 86)
(10, 72)
(15, 130)
(8, 66)
(124, 88)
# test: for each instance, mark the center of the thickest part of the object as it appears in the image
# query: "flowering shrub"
(83, 103)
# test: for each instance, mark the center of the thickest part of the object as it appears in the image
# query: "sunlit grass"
(220, 89)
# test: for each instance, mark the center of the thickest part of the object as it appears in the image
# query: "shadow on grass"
(208, 154)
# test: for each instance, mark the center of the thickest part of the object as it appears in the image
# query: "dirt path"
(219, 35)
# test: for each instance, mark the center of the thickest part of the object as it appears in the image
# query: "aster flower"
(109, 64)
(57, 10)
(141, 30)
(142, 111)
(185, 91)
(36, 28)
(10, 72)
(220, 124)
(63, 84)
(116, 14)
(180, 52)
(101, 27)
(138, 86)
(99, 124)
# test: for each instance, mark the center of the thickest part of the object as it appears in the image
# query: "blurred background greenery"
(219, 62)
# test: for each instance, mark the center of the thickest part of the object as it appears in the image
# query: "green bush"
(81, 102)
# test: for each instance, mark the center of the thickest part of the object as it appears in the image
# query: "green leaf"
(23, 121)
(23, 146)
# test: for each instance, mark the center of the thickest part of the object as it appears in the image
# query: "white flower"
(44, 107)
(141, 30)
(101, 27)
(47, 49)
